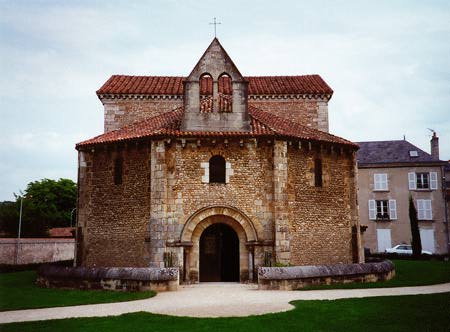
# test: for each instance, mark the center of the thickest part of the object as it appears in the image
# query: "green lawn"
(421, 313)
(18, 291)
(407, 273)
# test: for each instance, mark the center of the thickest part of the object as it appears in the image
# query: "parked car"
(404, 249)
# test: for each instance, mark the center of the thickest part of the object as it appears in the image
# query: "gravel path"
(212, 300)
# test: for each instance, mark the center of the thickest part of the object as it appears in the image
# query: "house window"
(318, 173)
(383, 209)
(422, 181)
(118, 170)
(217, 169)
(424, 211)
(380, 182)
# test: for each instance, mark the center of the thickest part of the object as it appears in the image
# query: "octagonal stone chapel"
(216, 173)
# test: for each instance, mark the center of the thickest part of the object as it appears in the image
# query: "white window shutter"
(376, 182)
(392, 209)
(372, 209)
(433, 181)
(412, 181)
(429, 212)
(420, 209)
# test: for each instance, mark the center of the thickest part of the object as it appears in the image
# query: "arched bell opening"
(225, 98)
(206, 93)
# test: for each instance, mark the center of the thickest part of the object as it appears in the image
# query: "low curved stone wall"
(110, 278)
(295, 277)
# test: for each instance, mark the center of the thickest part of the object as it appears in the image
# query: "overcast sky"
(388, 63)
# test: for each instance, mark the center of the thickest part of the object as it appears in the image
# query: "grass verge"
(18, 291)
(394, 314)
(407, 273)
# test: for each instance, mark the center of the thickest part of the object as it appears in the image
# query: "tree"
(46, 204)
(415, 233)
(9, 217)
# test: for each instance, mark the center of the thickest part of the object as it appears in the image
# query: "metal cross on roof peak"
(215, 24)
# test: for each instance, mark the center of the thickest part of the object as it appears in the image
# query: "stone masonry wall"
(296, 277)
(84, 207)
(122, 112)
(114, 218)
(281, 216)
(179, 189)
(271, 183)
(321, 217)
(309, 112)
(31, 251)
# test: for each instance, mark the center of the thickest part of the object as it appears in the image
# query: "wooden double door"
(219, 254)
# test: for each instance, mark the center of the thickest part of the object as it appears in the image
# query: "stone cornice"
(138, 96)
(291, 96)
(323, 97)
(406, 165)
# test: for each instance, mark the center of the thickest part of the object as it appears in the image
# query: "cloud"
(30, 156)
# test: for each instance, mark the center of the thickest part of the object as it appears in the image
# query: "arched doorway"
(198, 222)
(219, 254)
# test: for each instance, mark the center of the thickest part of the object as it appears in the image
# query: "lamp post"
(20, 228)
(71, 215)
(19, 231)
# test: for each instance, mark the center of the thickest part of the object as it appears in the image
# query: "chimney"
(434, 146)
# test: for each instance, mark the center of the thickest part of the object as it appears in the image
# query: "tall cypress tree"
(415, 233)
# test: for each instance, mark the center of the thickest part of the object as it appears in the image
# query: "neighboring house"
(389, 172)
(217, 174)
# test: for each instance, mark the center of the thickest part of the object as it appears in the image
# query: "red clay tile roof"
(62, 232)
(285, 128)
(173, 85)
(306, 84)
(263, 124)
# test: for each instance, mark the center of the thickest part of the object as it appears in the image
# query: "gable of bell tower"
(215, 94)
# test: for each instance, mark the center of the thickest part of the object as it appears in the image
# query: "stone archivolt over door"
(249, 229)
(229, 220)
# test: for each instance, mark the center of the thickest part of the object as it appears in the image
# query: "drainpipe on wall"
(444, 195)
(16, 261)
